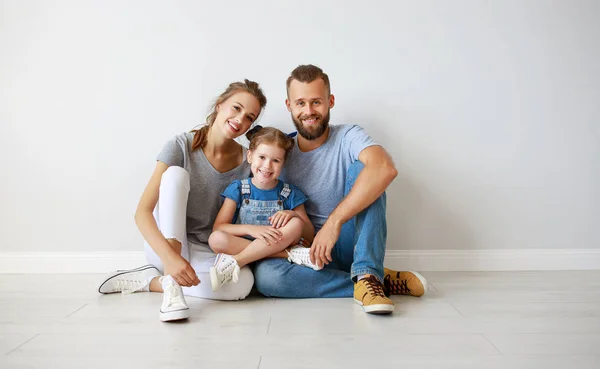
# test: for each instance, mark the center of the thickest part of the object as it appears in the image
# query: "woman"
(177, 209)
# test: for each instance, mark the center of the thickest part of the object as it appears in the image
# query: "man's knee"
(355, 169)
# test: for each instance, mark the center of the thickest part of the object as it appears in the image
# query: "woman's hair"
(270, 136)
(235, 87)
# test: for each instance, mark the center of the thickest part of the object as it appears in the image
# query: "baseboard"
(425, 260)
(493, 260)
(69, 262)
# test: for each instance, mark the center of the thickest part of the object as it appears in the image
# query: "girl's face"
(266, 163)
(236, 114)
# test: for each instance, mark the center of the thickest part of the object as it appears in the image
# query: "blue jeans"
(359, 250)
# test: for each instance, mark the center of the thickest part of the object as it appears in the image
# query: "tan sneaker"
(404, 283)
(368, 292)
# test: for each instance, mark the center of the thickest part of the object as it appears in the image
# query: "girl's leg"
(245, 251)
(258, 249)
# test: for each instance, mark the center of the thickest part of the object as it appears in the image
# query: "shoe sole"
(174, 315)
(121, 272)
(423, 281)
(214, 281)
(376, 309)
(143, 267)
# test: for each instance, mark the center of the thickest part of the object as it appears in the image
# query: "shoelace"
(173, 295)
(301, 256)
(396, 286)
(227, 269)
(374, 287)
(126, 286)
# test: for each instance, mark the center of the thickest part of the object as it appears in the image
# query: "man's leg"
(279, 278)
(361, 248)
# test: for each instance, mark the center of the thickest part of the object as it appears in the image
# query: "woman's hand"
(266, 234)
(281, 218)
(181, 271)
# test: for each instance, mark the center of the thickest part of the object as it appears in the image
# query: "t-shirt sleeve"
(172, 152)
(356, 140)
(296, 197)
(233, 192)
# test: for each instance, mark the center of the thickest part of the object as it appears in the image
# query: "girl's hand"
(266, 234)
(281, 218)
(181, 271)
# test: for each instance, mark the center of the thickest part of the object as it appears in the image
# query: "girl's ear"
(249, 156)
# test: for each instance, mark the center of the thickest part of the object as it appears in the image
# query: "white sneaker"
(300, 255)
(225, 270)
(173, 305)
(129, 281)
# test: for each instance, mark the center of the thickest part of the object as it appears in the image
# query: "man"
(344, 173)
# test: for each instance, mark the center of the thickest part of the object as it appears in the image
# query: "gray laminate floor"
(511, 320)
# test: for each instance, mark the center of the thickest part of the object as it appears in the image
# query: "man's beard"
(319, 128)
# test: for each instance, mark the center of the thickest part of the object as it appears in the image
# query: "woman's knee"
(177, 177)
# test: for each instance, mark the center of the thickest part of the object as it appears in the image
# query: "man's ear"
(287, 104)
(331, 101)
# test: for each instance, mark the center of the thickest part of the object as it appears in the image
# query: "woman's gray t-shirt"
(206, 184)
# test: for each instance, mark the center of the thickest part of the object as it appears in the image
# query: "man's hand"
(320, 251)
(281, 218)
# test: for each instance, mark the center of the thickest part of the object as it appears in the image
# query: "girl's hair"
(235, 87)
(269, 135)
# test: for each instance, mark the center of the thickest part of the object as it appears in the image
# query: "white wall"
(490, 109)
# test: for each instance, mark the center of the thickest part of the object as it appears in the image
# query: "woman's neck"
(217, 145)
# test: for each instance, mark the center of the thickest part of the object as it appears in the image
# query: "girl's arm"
(225, 217)
(174, 263)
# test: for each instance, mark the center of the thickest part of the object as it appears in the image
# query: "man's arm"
(378, 173)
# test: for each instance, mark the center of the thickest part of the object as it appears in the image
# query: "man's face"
(309, 104)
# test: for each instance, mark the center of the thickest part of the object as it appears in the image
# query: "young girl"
(261, 216)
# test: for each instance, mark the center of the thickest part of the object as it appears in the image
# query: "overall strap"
(285, 192)
(245, 189)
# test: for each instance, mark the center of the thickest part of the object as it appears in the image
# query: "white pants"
(170, 215)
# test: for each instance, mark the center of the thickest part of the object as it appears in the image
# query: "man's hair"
(307, 74)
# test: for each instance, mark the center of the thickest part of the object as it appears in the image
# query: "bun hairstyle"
(269, 135)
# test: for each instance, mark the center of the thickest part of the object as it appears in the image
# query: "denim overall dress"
(257, 212)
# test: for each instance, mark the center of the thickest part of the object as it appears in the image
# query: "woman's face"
(236, 114)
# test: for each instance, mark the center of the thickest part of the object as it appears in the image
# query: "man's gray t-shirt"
(321, 173)
(206, 184)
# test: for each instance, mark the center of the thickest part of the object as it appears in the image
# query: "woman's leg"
(170, 214)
